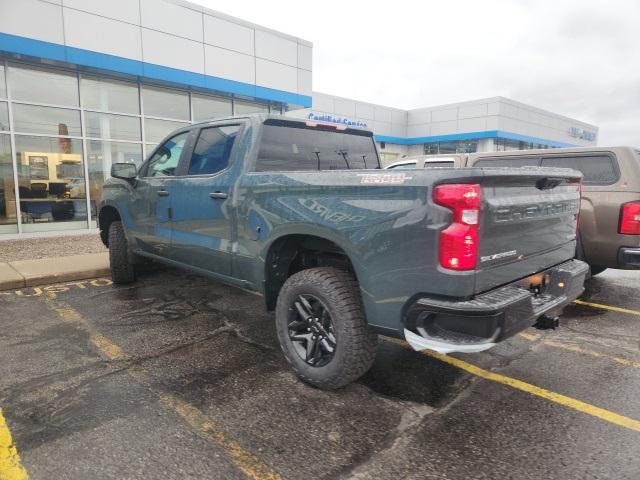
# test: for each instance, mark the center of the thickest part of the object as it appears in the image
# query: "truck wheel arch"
(107, 215)
(293, 253)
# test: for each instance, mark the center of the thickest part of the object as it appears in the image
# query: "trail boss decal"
(496, 256)
(383, 178)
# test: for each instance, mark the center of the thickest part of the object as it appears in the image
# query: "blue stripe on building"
(143, 70)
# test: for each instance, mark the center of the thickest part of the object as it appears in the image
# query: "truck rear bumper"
(629, 258)
(474, 325)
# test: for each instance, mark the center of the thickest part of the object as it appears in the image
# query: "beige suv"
(609, 229)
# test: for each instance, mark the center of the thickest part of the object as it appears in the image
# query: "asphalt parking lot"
(176, 376)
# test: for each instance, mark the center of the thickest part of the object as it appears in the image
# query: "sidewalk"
(28, 273)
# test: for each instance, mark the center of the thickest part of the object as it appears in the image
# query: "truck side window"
(597, 169)
(212, 150)
(165, 160)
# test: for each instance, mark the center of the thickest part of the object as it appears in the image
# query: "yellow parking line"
(245, 461)
(607, 307)
(558, 398)
(248, 463)
(529, 336)
(574, 348)
(10, 466)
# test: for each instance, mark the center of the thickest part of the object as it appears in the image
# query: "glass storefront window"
(240, 107)
(109, 95)
(8, 218)
(3, 83)
(156, 130)
(100, 156)
(467, 146)
(51, 183)
(160, 102)
(431, 148)
(46, 120)
(4, 117)
(205, 108)
(454, 146)
(43, 86)
(57, 112)
(116, 127)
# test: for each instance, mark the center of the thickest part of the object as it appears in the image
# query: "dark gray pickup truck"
(453, 260)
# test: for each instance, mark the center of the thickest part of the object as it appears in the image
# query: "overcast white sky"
(579, 58)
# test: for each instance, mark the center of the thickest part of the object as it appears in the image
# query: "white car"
(425, 161)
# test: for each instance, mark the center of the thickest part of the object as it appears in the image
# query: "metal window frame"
(152, 86)
(107, 78)
(14, 154)
(85, 158)
(86, 135)
(193, 93)
(30, 104)
(43, 68)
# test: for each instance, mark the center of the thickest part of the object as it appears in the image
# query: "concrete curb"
(29, 273)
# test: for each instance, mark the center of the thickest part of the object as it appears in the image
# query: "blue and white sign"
(325, 117)
(583, 134)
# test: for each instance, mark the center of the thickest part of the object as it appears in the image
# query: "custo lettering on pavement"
(52, 290)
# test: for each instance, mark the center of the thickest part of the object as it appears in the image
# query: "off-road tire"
(120, 261)
(356, 344)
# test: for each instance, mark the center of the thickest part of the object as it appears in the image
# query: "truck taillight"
(459, 241)
(630, 219)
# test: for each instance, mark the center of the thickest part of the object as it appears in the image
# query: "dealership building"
(86, 83)
(490, 124)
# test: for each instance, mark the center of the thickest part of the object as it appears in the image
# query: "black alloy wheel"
(310, 330)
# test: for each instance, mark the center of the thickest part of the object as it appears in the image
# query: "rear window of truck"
(596, 169)
(289, 148)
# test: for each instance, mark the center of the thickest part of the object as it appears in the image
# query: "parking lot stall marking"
(248, 463)
(529, 336)
(10, 465)
(607, 307)
(28, 292)
(558, 398)
(245, 461)
(575, 348)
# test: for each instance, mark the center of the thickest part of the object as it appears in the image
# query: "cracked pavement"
(76, 413)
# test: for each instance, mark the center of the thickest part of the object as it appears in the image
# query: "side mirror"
(124, 171)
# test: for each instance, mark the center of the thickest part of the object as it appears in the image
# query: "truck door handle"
(163, 193)
(218, 195)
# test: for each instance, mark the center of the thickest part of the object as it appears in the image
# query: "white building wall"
(489, 114)
(171, 33)
(483, 115)
(496, 113)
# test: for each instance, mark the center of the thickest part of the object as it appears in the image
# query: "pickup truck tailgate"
(527, 223)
